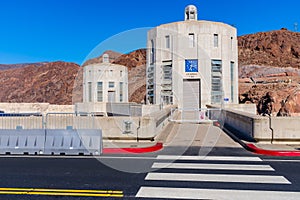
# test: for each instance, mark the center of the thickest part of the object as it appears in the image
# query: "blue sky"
(68, 30)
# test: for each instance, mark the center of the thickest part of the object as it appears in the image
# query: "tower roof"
(191, 13)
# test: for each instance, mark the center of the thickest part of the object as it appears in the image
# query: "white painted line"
(212, 166)
(78, 157)
(217, 158)
(191, 193)
(274, 160)
(232, 178)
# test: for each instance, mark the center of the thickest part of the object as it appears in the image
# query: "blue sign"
(191, 65)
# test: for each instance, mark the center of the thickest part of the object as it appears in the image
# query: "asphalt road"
(227, 171)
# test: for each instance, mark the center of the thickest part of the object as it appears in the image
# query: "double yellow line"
(61, 192)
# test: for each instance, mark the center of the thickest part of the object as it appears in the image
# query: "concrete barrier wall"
(245, 108)
(146, 127)
(69, 121)
(286, 129)
(255, 126)
(116, 109)
(35, 108)
(269, 129)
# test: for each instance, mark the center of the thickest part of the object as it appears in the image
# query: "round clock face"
(191, 65)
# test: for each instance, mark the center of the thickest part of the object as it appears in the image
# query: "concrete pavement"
(204, 136)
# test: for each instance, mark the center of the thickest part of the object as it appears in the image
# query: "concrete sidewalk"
(189, 134)
(265, 148)
(204, 136)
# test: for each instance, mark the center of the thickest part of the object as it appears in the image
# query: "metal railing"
(192, 115)
(69, 121)
(21, 121)
(13, 121)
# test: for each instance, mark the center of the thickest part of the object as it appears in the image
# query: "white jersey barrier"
(54, 134)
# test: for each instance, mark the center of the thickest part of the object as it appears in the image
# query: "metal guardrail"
(21, 121)
(13, 121)
(202, 115)
(69, 121)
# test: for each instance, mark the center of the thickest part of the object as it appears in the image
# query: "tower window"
(168, 42)
(232, 80)
(121, 91)
(89, 91)
(152, 52)
(216, 40)
(191, 40)
(110, 72)
(111, 84)
(100, 91)
(216, 81)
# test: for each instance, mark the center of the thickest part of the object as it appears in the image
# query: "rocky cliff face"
(17, 66)
(276, 48)
(50, 82)
(272, 60)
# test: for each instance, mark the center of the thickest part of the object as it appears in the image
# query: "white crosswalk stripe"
(216, 158)
(241, 170)
(191, 193)
(212, 166)
(217, 178)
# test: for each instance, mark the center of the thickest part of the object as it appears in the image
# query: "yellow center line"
(61, 192)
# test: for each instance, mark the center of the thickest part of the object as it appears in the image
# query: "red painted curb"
(255, 149)
(137, 150)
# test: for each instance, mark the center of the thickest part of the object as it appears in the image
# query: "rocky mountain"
(21, 65)
(276, 48)
(50, 82)
(272, 61)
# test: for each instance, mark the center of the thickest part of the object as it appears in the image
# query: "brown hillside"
(272, 59)
(276, 48)
(51, 83)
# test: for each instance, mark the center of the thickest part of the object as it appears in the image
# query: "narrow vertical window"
(231, 43)
(232, 80)
(168, 42)
(216, 40)
(152, 52)
(216, 81)
(89, 91)
(110, 72)
(191, 40)
(121, 73)
(100, 91)
(121, 91)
